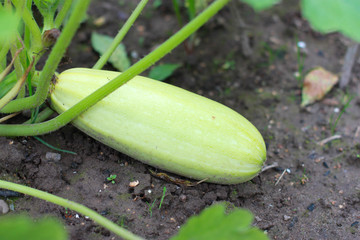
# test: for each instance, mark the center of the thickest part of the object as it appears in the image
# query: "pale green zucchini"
(165, 126)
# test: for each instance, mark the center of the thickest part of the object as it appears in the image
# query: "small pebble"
(51, 156)
(258, 219)
(134, 55)
(325, 165)
(312, 155)
(355, 224)
(293, 221)
(4, 207)
(182, 198)
(286, 217)
(311, 207)
(327, 173)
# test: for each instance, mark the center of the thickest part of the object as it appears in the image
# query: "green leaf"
(8, 25)
(163, 71)
(259, 5)
(119, 58)
(157, 3)
(17, 227)
(214, 224)
(334, 15)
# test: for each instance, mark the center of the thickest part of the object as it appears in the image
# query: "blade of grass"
(54, 148)
(162, 197)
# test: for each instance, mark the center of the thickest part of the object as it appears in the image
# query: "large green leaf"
(17, 227)
(334, 15)
(259, 5)
(119, 57)
(213, 224)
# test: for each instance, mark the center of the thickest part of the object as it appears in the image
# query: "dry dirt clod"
(51, 156)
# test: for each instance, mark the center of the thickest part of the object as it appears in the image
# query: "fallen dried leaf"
(317, 83)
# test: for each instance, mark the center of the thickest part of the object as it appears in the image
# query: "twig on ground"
(280, 177)
(329, 139)
(348, 65)
(275, 164)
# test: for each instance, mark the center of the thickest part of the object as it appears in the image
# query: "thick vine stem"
(71, 205)
(52, 62)
(137, 68)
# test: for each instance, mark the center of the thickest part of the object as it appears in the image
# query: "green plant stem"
(137, 68)
(51, 64)
(17, 64)
(4, 51)
(62, 14)
(13, 92)
(191, 9)
(27, 35)
(31, 24)
(42, 116)
(71, 205)
(177, 12)
(121, 34)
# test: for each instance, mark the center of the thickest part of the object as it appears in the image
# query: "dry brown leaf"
(317, 83)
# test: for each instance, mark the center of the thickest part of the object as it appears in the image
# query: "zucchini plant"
(175, 130)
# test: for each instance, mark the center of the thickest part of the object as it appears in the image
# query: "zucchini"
(165, 126)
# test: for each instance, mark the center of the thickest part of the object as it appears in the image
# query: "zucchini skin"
(165, 126)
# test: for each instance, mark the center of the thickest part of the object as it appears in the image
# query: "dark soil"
(248, 68)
